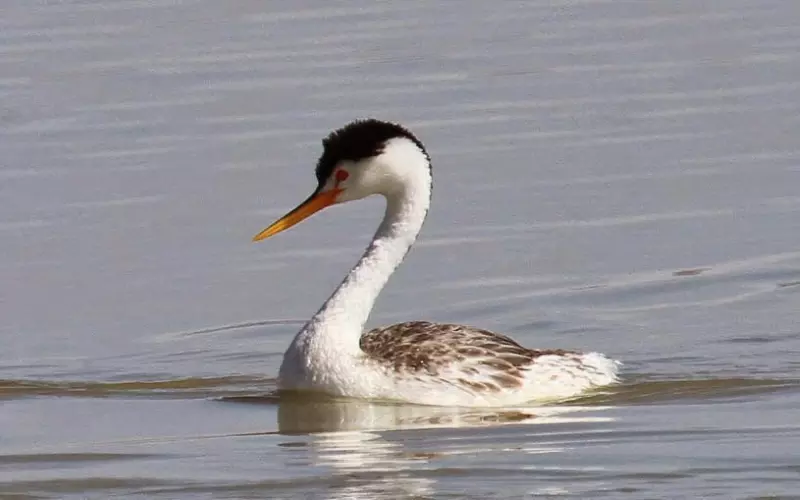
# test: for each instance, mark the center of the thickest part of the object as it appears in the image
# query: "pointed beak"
(313, 204)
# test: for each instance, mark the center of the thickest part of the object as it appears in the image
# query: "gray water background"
(621, 176)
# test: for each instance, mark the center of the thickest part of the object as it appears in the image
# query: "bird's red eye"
(341, 175)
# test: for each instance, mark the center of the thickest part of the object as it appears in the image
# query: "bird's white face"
(398, 166)
(351, 181)
(399, 162)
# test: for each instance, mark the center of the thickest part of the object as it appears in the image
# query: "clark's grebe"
(416, 362)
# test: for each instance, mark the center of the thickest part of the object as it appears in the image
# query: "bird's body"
(417, 362)
(445, 364)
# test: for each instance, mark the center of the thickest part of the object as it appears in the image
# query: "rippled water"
(609, 175)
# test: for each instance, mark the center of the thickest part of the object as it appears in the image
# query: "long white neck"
(338, 325)
(348, 309)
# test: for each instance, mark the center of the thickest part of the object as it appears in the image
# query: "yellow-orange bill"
(312, 205)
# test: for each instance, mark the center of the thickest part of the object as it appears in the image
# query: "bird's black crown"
(358, 140)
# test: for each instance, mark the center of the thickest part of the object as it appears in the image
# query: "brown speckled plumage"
(486, 361)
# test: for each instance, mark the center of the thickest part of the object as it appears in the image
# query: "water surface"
(609, 175)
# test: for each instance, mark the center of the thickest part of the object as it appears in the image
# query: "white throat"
(333, 333)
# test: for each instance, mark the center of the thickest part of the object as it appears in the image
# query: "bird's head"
(362, 158)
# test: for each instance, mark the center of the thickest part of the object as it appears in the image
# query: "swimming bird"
(415, 362)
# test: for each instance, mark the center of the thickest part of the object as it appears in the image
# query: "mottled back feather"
(480, 359)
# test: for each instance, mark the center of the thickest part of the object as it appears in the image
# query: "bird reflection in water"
(370, 453)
